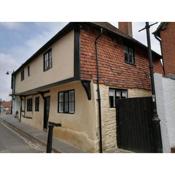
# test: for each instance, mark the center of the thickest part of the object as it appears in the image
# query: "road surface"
(13, 142)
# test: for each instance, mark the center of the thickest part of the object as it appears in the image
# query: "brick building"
(165, 33)
(5, 106)
(59, 82)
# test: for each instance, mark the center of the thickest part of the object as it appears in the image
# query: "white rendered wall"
(165, 94)
(16, 105)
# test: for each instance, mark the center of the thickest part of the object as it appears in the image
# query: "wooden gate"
(134, 124)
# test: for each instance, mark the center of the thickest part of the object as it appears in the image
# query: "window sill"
(131, 64)
(112, 108)
(45, 70)
(65, 113)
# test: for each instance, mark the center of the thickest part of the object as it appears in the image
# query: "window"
(22, 75)
(115, 94)
(47, 60)
(28, 70)
(29, 104)
(66, 102)
(129, 55)
(36, 103)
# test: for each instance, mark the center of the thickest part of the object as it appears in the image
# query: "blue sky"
(18, 41)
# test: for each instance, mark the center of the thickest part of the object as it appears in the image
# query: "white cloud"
(30, 46)
(7, 63)
(141, 36)
(33, 44)
(11, 25)
(20, 53)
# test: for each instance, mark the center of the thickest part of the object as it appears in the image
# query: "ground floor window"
(66, 102)
(29, 104)
(36, 103)
(115, 94)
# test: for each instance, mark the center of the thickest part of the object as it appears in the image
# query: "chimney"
(125, 27)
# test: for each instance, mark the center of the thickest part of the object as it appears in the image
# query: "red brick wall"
(113, 70)
(168, 48)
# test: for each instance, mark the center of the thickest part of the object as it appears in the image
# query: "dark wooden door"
(134, 124)
(46, 111)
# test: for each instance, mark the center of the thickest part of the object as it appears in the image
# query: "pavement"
(13, 142)
(37, 135)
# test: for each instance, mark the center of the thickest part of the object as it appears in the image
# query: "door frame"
(45, 117)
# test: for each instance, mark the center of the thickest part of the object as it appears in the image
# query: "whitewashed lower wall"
(16, 105)
(165, 94)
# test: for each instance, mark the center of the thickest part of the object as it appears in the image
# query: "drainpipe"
(98, 94)
(161, 51)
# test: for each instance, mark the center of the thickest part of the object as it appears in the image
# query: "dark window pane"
(115, 94)
(50, 58)
(71, 101)
(47, 60)
(37, 104)
(129, 55)
(126, 57)
(111, 101)
(29, 104)
(61, 97)
(60, 102)
(66, 102)
(112, 98)
(28, 70)
(71, 107)
(60, 107)
(22, 75)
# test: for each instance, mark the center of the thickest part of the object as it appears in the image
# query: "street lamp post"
(155, 119)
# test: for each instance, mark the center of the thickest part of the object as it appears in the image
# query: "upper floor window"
(22, 75)
(47, 60)
(115, 94)
(28, 70)
(129, 55)
(66, 102)
(29, 104)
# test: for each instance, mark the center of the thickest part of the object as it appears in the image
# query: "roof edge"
(68, 28)
(161, 27)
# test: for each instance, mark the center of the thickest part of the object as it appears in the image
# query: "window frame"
(117, 90)
(68, 102)
(22, 75)
(49, 60)
(127, 54)
(29, 106)
(28, 70)
(37, 103)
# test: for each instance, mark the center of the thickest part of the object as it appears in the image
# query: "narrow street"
(13, 142)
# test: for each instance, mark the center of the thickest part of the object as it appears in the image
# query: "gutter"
(98, 94)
